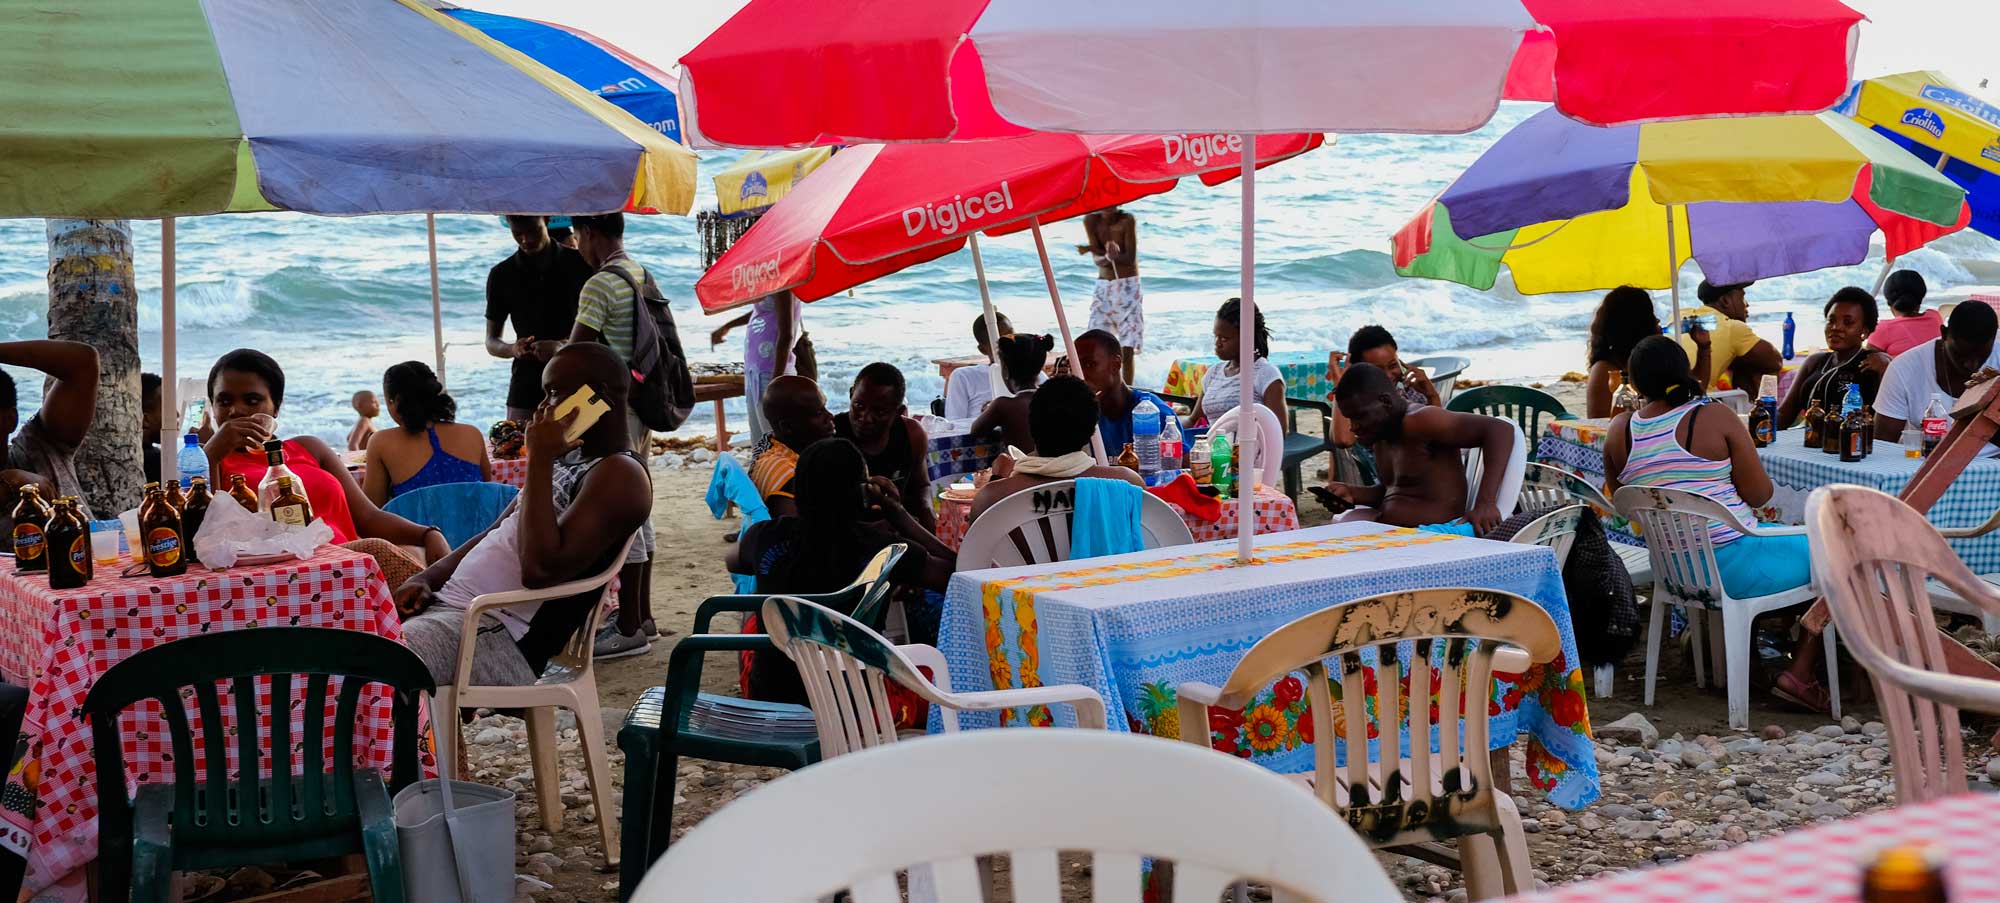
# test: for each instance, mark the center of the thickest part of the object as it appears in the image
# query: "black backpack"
(662, 388)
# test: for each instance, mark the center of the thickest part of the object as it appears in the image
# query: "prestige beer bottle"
(70, 564)
(289, 506)
(195, 511)
(31, 525)
(173, 492)
(160, 528)
(239, 489)
(1814, 417)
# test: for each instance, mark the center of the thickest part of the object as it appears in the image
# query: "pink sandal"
(1812, 697)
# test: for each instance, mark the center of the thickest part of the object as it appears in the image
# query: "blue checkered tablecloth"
(959, 455)
(1134, 627)
(1796, 471)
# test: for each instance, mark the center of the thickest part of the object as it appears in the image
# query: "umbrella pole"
(170, 465)
(992, 322)
(437, 304)
(1062, 320)
(1246, 425)
(1673, 272)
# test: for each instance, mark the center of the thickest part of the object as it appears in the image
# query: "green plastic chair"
(1520, 404)
(216, 819)
(676, 720)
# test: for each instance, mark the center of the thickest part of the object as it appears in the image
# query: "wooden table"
(718, 390)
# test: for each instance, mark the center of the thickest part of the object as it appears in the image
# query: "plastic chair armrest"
(1765, 530)
(1512, 659)
(1973, 532)
(1089, 706)
(1196, 691)
(1193, 699)
(713, 605)
(468, 632)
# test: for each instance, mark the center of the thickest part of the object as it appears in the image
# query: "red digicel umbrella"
(875, 209)
(792, 73)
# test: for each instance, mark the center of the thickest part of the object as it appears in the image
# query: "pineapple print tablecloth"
(1133, 627)
(1304, 372)
(63, 641)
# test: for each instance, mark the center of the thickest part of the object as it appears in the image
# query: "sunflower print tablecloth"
(1134, 627)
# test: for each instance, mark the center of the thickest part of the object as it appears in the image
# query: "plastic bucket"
(482, 833)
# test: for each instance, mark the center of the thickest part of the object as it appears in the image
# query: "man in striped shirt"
(604, 312)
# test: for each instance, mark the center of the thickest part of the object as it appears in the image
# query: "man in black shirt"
(537, 287)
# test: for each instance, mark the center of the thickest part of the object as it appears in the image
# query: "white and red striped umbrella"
(792, 73)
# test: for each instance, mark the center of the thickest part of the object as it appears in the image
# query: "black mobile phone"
(1334, 503)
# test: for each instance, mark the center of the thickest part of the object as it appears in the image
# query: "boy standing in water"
(1117, 305)
(368, 408)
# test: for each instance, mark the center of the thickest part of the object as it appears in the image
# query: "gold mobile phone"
(588, 408)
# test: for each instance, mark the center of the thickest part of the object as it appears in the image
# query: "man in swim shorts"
(1117, 304)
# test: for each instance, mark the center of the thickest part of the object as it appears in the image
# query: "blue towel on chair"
(1107, 519)
(730, 485)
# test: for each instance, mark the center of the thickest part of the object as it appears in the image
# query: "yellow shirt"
(772, 471)
(1730, 339)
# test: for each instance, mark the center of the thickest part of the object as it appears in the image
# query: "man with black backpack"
(621, 306)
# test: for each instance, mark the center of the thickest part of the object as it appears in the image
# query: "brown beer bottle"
(1128, 459)
(1814, 418)
(239, 489)
(31, 525)
(70, 564)
(289, 506)
(1902, 875)
(193, 513)
(173, 493)
(160, 529)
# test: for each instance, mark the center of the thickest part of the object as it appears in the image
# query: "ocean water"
(337, 301)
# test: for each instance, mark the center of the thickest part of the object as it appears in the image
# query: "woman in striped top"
(1677, 440)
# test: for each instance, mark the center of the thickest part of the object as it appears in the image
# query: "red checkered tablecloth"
(1275, 514)
(1820, 865)
(59, 643)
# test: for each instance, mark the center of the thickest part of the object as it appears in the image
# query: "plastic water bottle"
(1790, 329)
(1171, 452)
(1146, 438)
(193, 461)
(1220, 463)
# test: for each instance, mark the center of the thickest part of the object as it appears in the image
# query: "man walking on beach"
(1417, 449)
(1117, 305)
(43, 452)
(536, 287)
(1733, 348)
(796, 410)
(604, 314)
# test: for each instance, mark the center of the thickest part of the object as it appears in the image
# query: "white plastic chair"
(1942, 596)
(1876, 557)
(1445, 369)
(1556, 529)
(1032, 526)
(843, 664)
(1404, 801)
(569, 681)
(1510, 484)
(852, 823)
(1546, 486)
(1675, 524)
(1270, 463)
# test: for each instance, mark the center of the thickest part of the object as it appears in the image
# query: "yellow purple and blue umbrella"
(1944, 125)
(1567, 207)
(148, 109)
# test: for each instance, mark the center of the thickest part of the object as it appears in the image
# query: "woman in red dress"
(245, 390)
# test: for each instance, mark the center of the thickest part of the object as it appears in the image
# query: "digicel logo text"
(947, 218)
(1199, 149)
(746, 276)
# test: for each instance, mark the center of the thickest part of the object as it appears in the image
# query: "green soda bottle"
(1224, 467)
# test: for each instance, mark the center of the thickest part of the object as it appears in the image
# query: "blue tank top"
(443, 467)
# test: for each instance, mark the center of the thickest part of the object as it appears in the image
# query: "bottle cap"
(271, 445)
(151, 486)
(190, 440)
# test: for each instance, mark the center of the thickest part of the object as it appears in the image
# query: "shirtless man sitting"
(1417, 449)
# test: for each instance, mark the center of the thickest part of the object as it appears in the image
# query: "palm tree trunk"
(93, 300)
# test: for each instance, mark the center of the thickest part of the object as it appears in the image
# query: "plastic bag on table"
(231, 533)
